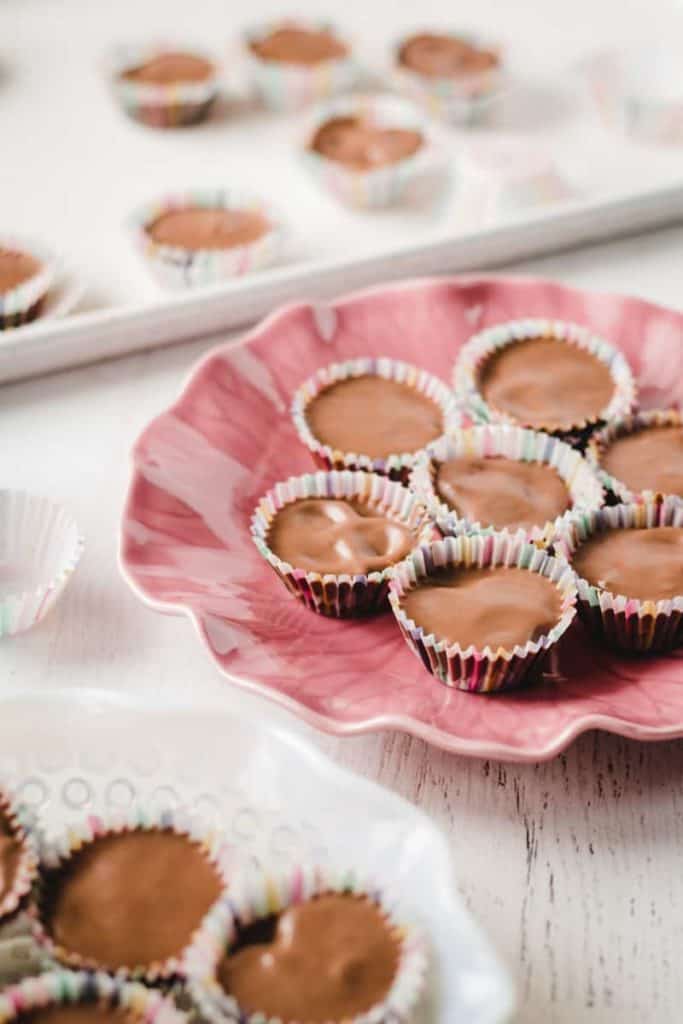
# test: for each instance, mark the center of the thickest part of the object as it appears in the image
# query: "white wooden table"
(573, 867)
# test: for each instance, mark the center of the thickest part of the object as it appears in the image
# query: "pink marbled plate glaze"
(200, 467)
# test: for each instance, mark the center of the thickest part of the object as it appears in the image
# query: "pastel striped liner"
(519, 445)
(159, 106)
(339, 596)
(461, 99)
(387, 185)
(474, 354)
(287, 87)
(22, 830)
(178, 268)
(480, 671)
(601, 441)
(398, 465)
(202, 952)
(620, 621)
(21, 304)
(72, 988)
(263, 894)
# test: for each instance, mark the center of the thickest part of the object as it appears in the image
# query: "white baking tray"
(277, 798)
(72, 166)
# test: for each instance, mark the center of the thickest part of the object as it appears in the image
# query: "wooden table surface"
(573, 866)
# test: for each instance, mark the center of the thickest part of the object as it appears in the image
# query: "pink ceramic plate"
(201, 467)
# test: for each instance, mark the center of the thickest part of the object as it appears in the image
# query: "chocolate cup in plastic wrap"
(23, 834)
(200, 954)
(265, 895)
(520, 445)
(61, 988)
(398, 465)
(179, 268)
(169, 105)
(339, 596)
(480, 671)
(418, 177)
(23, 303)
(622, 622)
(463, 100)
(487, 343)
(284, 86)
(600, 443)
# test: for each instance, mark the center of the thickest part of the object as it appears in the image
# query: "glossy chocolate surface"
(328, 536)
(130, 899)
(170, 68)
(363, 145)
(643, 564)
(546, 384)
(328, 959)
(198, 228)
(436, 55)
(16, 267)
(374, 416)
(78, 1013)
(495, 607)
(501, 492)
(649, 460)
(294, 44)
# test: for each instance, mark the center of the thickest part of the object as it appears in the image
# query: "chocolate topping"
(643, 564)
(78, 1013)
(649, 460)
(293, 44)
(329, 536)
(442, 56)
(501, 492)
(374, 416)
(546, 383)
(10, 856)
(328, 959)
(205, 228)
(130, 899)
(359, 143)
(15, 268)
(495, 607)
(170, 68)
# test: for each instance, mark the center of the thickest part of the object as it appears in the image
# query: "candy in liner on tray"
(332, 538)
(18, 857)
(640, 456)
(545, 374)
(497, 476)
(291, 64)
(163, 86)
(629, 565)
(314, 945)
(374, 151)
(140, 894)
(372, 413)
(27, 272)
(202, 237)
(481, 611)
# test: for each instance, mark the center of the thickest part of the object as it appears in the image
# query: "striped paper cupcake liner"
(171, 105)
(202, 951)
(396, 466)
(479, 348)
(619, 621)
(514, 443)
(21, 304)
(41, 542)
(263, 896)
(84, 988)
(416, 176)
(15, 823)
(461, 100)
(283, 86)
(178, 268)
(600, 442)
(480, 671)
(339, 596)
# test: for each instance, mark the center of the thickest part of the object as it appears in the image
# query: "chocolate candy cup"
(22, 303)
(600, 443)
(170, 105)
(343, 596)
(21, 832)
(480, 671)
